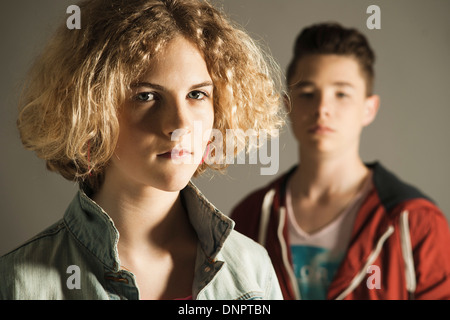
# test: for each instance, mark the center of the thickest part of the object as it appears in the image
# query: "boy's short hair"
(69, 111)
(332, 38)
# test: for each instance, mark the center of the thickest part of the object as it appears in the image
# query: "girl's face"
(159, 145)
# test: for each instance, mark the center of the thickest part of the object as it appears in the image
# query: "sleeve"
(430, 240)
(6, 280)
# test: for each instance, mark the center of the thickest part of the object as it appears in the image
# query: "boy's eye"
(306, 95)
(341, 95)
(197, 95)
(145, 96)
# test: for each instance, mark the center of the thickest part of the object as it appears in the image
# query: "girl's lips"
(175, 153)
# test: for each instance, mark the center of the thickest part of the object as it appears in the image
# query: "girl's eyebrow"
(161, 88)
(201, 85)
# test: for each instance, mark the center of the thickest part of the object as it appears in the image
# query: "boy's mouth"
(320, 129)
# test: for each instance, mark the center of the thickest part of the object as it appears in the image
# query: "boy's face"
(329, 103)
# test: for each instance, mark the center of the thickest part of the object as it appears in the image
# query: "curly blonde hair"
(69, 112)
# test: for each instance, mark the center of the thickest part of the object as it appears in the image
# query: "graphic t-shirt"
(317, 256)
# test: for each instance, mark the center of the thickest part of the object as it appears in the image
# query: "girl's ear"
(371, 106)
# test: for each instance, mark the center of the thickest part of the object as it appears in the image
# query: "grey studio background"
(410, 135)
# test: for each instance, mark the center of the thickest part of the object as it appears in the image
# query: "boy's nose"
(322, 106)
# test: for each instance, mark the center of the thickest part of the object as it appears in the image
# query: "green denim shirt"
(77, 258)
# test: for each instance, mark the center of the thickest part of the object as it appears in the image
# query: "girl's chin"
(173, 186)
(175, 180)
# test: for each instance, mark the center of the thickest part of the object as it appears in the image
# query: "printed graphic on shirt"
(314, 269)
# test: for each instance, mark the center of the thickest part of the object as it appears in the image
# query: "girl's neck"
(145, 217)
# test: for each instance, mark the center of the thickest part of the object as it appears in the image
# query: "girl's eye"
(145, 96)
(197, 95)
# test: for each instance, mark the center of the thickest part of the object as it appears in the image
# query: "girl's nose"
(175, 119)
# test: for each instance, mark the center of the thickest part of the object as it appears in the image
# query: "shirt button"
(207, 269)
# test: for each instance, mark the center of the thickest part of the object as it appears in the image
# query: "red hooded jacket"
(397, 229)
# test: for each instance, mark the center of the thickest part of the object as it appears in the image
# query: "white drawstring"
(372, 257)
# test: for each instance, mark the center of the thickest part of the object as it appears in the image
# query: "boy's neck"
(319, 176)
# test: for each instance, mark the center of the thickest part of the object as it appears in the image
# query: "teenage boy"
(335, 227)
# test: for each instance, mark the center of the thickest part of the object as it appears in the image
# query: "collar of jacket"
(391, 190)
(95, 230)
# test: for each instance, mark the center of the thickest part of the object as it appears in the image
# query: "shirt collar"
(212, 226)
(95, 230)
